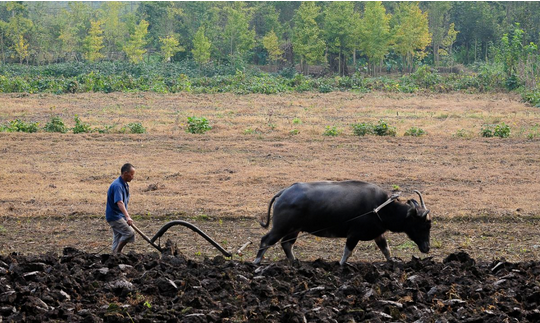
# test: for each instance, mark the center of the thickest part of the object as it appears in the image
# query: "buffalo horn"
(421, 199)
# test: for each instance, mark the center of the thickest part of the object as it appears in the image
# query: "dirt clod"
(84, 287)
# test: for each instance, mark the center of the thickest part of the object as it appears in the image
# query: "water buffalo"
(344, 209)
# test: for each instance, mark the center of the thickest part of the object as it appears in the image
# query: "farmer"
(116, 212)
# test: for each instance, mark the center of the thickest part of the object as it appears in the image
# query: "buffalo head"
(418, 223)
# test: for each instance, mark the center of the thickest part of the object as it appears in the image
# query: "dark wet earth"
(84, 287)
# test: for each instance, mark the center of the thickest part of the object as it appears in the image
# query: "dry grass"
(234, 170)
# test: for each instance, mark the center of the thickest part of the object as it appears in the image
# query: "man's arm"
(124, 211)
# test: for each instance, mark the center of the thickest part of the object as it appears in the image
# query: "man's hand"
(129, 220)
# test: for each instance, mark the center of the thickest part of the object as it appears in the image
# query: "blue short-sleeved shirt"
(118, 191)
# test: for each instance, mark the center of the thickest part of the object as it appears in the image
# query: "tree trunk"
(339, 60)
(436, 56)
(475, 46)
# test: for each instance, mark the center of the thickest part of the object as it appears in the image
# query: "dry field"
(483, 192)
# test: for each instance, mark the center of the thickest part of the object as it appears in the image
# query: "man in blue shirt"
(116, 212)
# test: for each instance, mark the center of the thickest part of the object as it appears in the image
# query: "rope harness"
(376, 211)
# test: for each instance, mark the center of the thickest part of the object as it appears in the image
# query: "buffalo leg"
(383, 245)
(349, 247)
(267, 241)
(287, 243)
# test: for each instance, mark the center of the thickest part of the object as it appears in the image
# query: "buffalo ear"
(412, 208)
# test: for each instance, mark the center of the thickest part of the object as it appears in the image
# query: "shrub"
(136, 127)
(198, 125)
(415, 132)
(56, 124)
(532, 97)
(81, 127)
(501, 130)
(331, 131)
(18, 125)
(383, 129)
(362, 129)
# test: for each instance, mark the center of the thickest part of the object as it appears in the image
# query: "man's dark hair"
(126, 168)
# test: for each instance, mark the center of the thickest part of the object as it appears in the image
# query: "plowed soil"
(136, 287)
(482, 192)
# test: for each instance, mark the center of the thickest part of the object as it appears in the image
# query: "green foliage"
(362, 129)
(331, 131)
(501, 130)
(410, 30)
(237, 34)
(169, 47)
(415, 132)
(532, 97)
(340, 24)
(272, 46)
(198, 125)
(93, 43)
(201, 47)
(136, 127)
(187, 76)
(80, 126)
(426, 77)
(56, 124)
(18, 125)
(307, 39)
(383, 129)
(134, 48)
(374, 33)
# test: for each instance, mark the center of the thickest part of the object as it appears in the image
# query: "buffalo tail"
(265, 225)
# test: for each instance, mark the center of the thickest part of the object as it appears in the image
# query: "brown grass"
(233, 170)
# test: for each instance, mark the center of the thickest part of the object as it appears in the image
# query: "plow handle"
(145, 237)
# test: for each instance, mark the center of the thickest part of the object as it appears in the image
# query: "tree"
(169, 47)
(478, 23)
(237, 33)
(162, 18)
(42, 38)
(438, 12)
(447, 43)
(68, 42)
(307, 41)
(375, 33)
(134, 48)
(93, 43)
(201, 47)
(114, 29)
(271, 44)
(339, 26)
(73, 24)
(411, 33)
(21, 49)
(17, 29)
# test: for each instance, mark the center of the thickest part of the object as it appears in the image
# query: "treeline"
(340, 36)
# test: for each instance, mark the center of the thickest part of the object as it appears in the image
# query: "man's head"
(127, 172)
